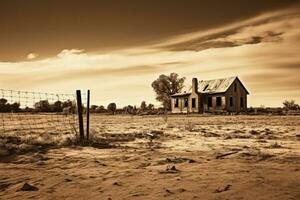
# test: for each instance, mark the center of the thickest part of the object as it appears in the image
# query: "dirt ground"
(174, 157)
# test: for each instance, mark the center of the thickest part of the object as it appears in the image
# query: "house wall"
(194, 95)
(196, 108)
(181, 108)
(214, 106)
(240, 92)
(202, 100)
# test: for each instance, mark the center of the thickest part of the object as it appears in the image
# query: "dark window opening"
(235, 87)
(231, 101)
(242, 102)
(186, 102)
(205, 87)
(209, 101)
(193, 102)
(176, 103)
(219, 101)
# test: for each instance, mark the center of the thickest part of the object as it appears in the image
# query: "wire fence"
(23, 112)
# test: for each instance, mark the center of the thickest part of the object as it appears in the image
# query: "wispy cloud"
(263, 21)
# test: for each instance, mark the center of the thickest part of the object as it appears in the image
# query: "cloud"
(262, 51)
(70, 52)
(252, 31)
(31, 56)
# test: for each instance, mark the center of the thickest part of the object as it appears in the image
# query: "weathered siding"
(201, 98)
(214, 106)
(181, 108)
(196, 108)
(236, 95)
(194, 95)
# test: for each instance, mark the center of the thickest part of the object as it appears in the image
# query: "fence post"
(88, 116)
(80, 118)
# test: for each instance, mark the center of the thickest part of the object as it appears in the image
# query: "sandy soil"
(187, 157)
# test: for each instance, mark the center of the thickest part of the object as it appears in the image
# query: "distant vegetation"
(112, 107)
(40, 106)
(290, 105)
(143, 109)
(164, 82)
(6, 107)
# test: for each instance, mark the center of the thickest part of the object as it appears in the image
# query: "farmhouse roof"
(220, 85)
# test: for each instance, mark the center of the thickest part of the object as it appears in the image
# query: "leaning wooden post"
(80, 118)
(88, 116)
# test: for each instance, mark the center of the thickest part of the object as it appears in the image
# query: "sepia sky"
(117, 48)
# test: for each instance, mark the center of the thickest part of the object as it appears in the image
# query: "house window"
(209, 101)
(235, 87)
(242, 102)
(176, 103)
(186, 102)
(231, 101)
(193, 102)
(219, 101)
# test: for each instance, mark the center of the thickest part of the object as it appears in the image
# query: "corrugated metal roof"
(220, 85)
(216, 85)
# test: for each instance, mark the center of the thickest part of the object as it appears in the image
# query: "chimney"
(195, 85)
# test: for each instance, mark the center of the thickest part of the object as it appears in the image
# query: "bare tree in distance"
(164, 86)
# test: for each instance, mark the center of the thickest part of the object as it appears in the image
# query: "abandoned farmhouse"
(218, 95)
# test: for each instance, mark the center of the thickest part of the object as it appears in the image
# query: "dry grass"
(148, 157)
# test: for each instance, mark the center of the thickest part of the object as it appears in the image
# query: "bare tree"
(165, 86)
